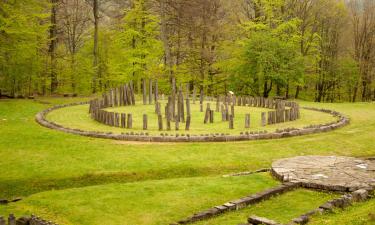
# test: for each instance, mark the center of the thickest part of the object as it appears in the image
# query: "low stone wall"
(239, 203)
(164, 137)
(25, 220)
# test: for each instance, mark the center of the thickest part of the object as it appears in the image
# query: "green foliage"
(269, 54)
(137, 51)
(23, 38)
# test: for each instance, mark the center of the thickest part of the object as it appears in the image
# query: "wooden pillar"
(211, 116)
(207, 114)
(181, 106)
(187, 125)
(188, 113)
(273, 117)
(269, 117)
(132, 94)
(223, 116)
(226, 111)
(123, 120)
(156, 92)
(117, 116)
(247, 121)
(168, 123)
(263, 122)
(232, 110)
(129, 121)
(287, 115)
(177, 125)
(160, 122)
(11, 220)
(144, 121)
(2, 221)
(231, 124)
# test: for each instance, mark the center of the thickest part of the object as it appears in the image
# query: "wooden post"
(129, 121)
(223, 115)
(287, 115)
(207, 114)
(232, 110)
(226, 111)
(144, 121)
(156, 92)
(211, 116)
(144, 91)
(2, 220)
(123, 120)
(160, 122)
(247, 121)
(168, 123)
(177, 125)
(11, 220)
(282, 115)
(187, 125)
(201, 107)
(150, 91)
(117, 115)
(273, 117)
(132, 92)
(182, 108)
(263, 122)
(269, 118)
(231, 125)
(188, 113)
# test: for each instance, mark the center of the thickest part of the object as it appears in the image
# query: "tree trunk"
(96, 47)
(167, 48)
(52, 46)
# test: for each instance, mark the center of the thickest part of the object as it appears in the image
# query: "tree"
(97, 72)
(363, 25)
(53, 45)
(23, 46)
(73, 18)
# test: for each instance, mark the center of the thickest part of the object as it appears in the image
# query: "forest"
(318, 50)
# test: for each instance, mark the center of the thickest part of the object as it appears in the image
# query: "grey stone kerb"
(145, 137)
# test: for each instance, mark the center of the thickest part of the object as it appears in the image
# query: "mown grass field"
(78, 180)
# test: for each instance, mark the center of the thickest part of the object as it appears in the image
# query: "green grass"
(358, 214)
(40, 164)
(78, 117)
(148, 202)
(282, 208)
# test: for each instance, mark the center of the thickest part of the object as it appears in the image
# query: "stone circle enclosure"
(176, 115)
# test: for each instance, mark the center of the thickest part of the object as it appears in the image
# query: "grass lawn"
(80, 180)
(148, 202)
(282, 208)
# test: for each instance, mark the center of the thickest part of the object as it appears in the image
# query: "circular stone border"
(163, 137)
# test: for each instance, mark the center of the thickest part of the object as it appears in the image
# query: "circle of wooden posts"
(178, 104)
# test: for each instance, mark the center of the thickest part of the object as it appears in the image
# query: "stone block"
(360, 195)
(261, 220)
